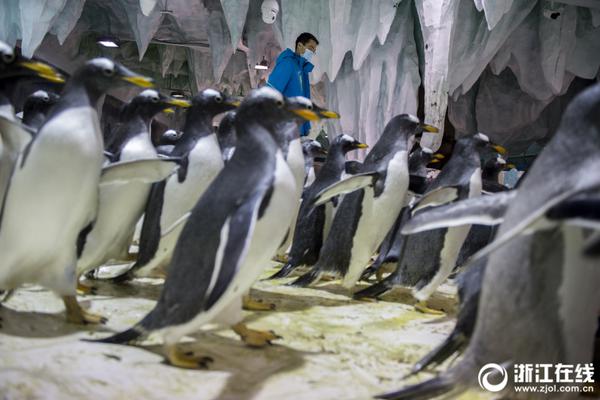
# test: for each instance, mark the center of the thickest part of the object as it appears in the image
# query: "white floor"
(332, 347)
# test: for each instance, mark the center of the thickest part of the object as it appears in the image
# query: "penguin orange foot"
(77, 315)
(421, 306)
(254, 338)
(250, 304)
(187, 360)
(83, 289)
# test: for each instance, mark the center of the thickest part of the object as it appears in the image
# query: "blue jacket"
(290, 77)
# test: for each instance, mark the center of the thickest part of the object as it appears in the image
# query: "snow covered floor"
(332, 347)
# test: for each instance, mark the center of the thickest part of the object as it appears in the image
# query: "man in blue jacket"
(290, 74)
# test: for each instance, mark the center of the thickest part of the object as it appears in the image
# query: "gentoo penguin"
(36, 108)
(539, 298)
(167, 141)
(491, 172)
(122, 205)
(364, 217)
(311, 226)
(292, 145)
(428, 258)
(232, 232)
(14, 66)
(53, 191)
(226, 135)
(311, 149)
(172, 199)
(14, 135)
(417, 168)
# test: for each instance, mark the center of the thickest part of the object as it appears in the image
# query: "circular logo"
(486, 371)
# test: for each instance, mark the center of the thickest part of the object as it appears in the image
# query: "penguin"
(427, 259)
(172, 199)
(167, 141)
(311, 227)
(292, 145)
(13, 67)
(521, 320)
(230, 235)
(14, 135)
(490, 174)
(417, 167)
(226, 135)
(122, 205)
(36, 108)
(53, 191)
(311, 149)
(364, 216)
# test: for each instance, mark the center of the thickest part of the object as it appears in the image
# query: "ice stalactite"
(147, 6)
(235, 14)
(143, 27)
(437, 18)
(386, 84)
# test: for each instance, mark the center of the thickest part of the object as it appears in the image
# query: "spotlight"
(177, 94)
(107, 41)
(264, 64)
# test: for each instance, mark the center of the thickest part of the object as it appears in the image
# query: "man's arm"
(280, 76)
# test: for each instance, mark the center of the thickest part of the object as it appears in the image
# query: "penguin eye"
(310, 107)
(219, 99)
(279, 103)
(155, 99)
(46, 98)
(7, 58)
(108, 72)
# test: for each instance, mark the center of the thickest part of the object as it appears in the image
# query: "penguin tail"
(120, 338)
(370, 271)
(441, 353)
(375, 290)
(307, 279)
(283, 272)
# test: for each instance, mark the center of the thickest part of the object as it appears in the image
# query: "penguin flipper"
(582, 212)
(483, 210)
(348, 185)
(437, 197)
(145, 171)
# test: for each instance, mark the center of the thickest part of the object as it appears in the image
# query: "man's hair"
(305, 37)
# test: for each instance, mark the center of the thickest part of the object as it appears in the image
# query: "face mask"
(308, 55)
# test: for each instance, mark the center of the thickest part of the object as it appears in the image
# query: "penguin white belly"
(50, 199)
(310, 178)
(120, 208)
(578, 298)
(378, 216)
(205, 163)
(295, 161)
(453, 241)
(263, 242)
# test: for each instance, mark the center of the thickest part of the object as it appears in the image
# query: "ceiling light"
(264, 64)
(177, 94)
(107, 41)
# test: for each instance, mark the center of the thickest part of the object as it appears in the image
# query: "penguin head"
(213, 102)
(347, 143)
(13, 65)
(312, 148)
(40, 101)
(150, 102)
(170, 136)
(101, 74)
(306, 110)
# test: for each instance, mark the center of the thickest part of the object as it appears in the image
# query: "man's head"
(306, 41)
